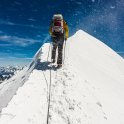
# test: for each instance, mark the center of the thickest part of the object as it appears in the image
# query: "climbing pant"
(57, 42)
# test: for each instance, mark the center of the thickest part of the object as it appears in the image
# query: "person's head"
(57, 16)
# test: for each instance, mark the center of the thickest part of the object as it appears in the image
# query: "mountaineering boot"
(59, 65)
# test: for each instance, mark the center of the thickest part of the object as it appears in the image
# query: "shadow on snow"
(45, 66)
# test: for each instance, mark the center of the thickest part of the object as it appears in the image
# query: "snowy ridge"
(88, 89)
(9, 87)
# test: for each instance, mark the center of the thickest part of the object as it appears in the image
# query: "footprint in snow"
(99, 104)
(65, 74)
(64, 92)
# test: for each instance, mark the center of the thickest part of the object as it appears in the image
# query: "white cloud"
(13, 40)
(32, 19)
(12, 57)
(3, 22)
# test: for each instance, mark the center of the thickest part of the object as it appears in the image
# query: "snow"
(9, 87)
(88, 89)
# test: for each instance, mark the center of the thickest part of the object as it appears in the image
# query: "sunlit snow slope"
(8, 88)
(88, 89)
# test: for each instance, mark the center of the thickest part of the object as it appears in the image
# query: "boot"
(59, 65)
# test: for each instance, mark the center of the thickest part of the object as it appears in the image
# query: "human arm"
(50, 29)
(66, 30)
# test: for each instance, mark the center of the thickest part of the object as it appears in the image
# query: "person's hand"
(65, 38)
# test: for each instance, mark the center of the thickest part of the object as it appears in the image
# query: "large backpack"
(57, 26)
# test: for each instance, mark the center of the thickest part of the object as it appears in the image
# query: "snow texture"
(88, 89)
(9, 87)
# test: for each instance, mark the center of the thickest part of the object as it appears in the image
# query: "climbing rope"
(50, 82)
(49, 99)
(49, 90)
(48, 52)
(46, 82)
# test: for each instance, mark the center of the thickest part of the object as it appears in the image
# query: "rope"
(48, 53)
(49, 97)
(50, 80)
(44, 73)
(46, 83)
(48, 86)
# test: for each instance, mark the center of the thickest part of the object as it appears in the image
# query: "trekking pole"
(48, 52)
(64, 51)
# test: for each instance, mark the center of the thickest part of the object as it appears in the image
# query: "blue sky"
(24, 24)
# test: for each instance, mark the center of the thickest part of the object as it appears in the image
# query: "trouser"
(57, 42)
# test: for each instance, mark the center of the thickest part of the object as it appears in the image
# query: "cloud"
(4, 22)
(17, 41)
(32, 19)
(13, 61)
(14, 57)
(5, 45)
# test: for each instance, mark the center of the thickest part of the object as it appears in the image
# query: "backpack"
(57, 25)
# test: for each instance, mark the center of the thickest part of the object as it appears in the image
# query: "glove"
(65, 38)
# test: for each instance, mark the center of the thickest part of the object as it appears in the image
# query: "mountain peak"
(80, 32)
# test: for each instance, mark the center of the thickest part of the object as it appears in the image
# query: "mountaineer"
(59, 32)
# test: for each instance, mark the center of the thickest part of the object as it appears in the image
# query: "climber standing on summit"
(59, 32)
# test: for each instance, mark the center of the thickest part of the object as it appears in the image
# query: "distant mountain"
(8, 72)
